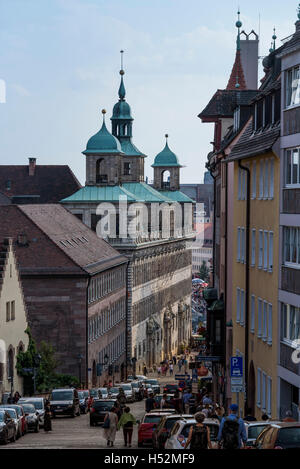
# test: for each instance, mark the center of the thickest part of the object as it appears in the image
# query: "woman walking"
(110, 426)
(127, 421)
(47, 418)
(199, 435)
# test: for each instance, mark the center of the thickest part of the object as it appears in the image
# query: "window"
(8, 311)
(260, 249)
(236, 117)
(291, 238)
(258, 388)
(239, 184)
(290, 328)
(239, 244)
(261, 179)
(270, 324)
(242, 245)
(273, 108)
(293, 87)
(259, 319)
(264, 113)
(265, 321)
(242, 306)
(253, 241)
(12, 311)
(255, 116)
(269, 400)
(266, 179)
(252, 322)
(264, 377)
(238, 300)
(271, 187)
(271, 237)
(266, 250)
(292, 167)
(254, 180)
(127, 169)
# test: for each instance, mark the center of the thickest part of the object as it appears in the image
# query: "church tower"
(166, 170)
(133, 160)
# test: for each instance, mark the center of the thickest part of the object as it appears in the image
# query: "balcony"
(286, 358)
(291, 201)
(290, 279)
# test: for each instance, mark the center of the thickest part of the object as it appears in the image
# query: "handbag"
(106, 423)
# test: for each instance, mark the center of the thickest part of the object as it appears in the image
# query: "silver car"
(181, 429)
(39, 404)
(128, 391)
(253, 430)
(17, 420)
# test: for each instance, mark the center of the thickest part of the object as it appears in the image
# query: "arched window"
(101, 177)
(165, 179)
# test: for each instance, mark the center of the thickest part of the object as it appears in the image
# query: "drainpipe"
(86, 333)
(214, 230)
(247, 282)
(225, 280)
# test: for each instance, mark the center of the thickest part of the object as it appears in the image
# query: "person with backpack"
(199, 434)
(127, 421)
(232, 432)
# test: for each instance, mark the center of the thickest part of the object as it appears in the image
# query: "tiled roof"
(224, 102)
(100, 193)
(177, 196)
(255, 143)
(144, 192)
(237, 74)
(294, 43)
(49, 184)
(58, 242)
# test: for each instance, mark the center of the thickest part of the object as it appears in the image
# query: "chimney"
(32, 163)
(249, 57)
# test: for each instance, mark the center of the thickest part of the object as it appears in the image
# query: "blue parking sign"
(236, 367)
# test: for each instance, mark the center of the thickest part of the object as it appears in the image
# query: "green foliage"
(46, 378)
(204, 271)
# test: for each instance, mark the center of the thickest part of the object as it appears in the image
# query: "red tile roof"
(50, 183)
(237, 74)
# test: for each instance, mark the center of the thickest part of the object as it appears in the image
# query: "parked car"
(164, 428)
(154, 384)
(21, 415)
(254, 429)
(171, 388)
(127, 388)
(32, 417)
(7, 428)
(64, 401)
(181, 429)
(148, 424)
(99, 409)
(5, 397)
(113, 392)
(141, 377)
(283, 435)
(148, 390)
(39, 405)
(103, 393)
(17, 421)
(83, 397)
(138, 390)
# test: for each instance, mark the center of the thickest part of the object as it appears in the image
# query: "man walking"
(232, 431)
(150, 403)
(186, 397)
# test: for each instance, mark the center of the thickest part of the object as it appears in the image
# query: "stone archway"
(251, 388)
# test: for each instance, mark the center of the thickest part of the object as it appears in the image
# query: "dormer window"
(255, 116)
(127, 169)
(293, 87)
(264, 113)
(236, 119)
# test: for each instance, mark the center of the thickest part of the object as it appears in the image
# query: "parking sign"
(236, 367)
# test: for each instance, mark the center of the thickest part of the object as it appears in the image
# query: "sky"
(60, 62)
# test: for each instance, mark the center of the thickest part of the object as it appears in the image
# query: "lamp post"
(79, 357)
(105, 363)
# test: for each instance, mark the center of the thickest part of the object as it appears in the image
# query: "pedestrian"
(199, 435)
(150, 403)
(127, 421)
(249, 417)
(192, 404)
(171, 369)
(10, 399)
(232, 431)
(186, 397)
(159, 370)
(174, 360)
(179, 365)
(289, 417)
(16, 397)
(145, 371)
(164, 403)
(176, 402)
(110, 426)
(47, 418)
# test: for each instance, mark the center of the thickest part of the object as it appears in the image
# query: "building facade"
(13, 319)
(150, 226)
(288, 397)
(74, 289)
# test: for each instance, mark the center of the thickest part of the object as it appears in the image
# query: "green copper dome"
(121, 110)
(166, 158)
(103, 142)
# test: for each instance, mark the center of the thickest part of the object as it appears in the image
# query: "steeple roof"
(166, 157)
(103, 142)
(237, 78)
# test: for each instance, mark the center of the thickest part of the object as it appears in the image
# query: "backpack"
(230, 433)
(199, 438)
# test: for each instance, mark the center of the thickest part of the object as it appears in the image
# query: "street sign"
(237, 381)
(236, 367)
(182, 377)
(206, 358)
(237, 388)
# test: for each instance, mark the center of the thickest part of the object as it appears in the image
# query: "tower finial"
(122, 91)
(122, 71)
(238, 24)
(103, 114)
(298, 11)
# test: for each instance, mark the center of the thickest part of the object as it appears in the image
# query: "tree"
(204, 271)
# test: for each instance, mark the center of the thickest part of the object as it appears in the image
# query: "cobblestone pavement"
(73, 433)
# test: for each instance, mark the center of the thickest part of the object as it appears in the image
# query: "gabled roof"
(58, 242)
(294, 43)
(49, 184)
(255, 143)
(223, 103)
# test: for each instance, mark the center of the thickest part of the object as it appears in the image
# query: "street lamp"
(79, 357)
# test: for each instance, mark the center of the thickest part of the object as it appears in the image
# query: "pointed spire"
(122, 91)
(298, 12)
(237, 78)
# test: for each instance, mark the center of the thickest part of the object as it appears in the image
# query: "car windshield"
(81, 395)
(28, 408)
(103, 405)
(37, 404)
(152, 418)
(12, 413)
(152, 381)
(114, 390)
(62, 396)
(255, 430)
(18, 410)
(2, 416)
(127, 387)
(289, 436)
(103, 390)
(85, 393)
(170, 424)
(94, 393)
